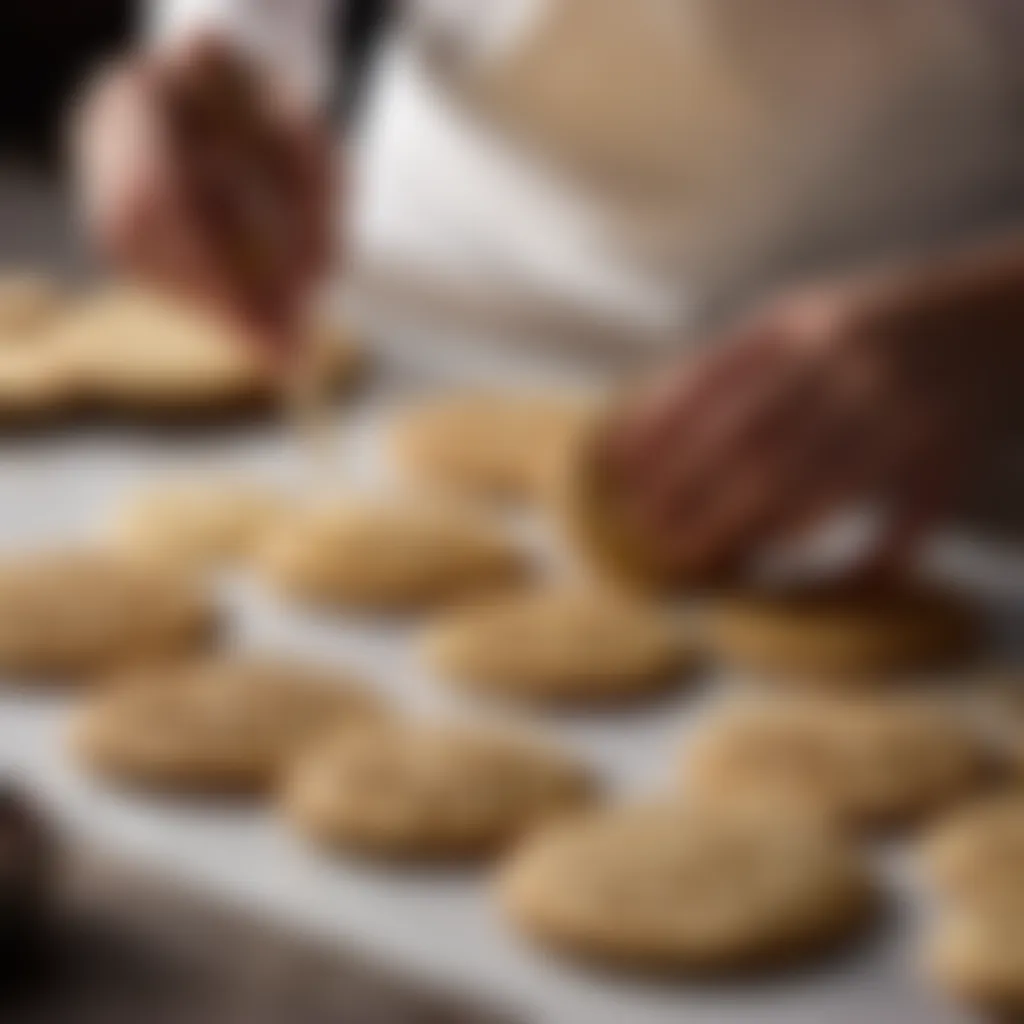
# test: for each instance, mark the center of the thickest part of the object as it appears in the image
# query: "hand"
(831, 398)
(200, 174)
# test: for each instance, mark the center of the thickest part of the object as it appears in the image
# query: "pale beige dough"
(36, 382)
(865, 762)
(227, 725)
(979, 959)
(827, 635)
(388, 554)
(499, 445)
(29, 301)
(975, 858)
(133, 350)
(561, 644)
(415, 790)
(71, 613)
(686, 889)
(197, 522)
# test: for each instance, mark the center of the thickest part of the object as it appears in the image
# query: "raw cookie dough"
(994, 699)
(197, 522)
(601, 530)
(979, 958)
(499, 445)
(864, 762)
(825, 635)
(428, 791)
(687, 889)
(28, 302)
(562, 644)
(132, 351)
(976, 857)
(73, 612)
(229, 725)
(388, 555)
(35, 382)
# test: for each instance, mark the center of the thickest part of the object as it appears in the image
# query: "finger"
(753, 427)
(258, 181)
(827, 442)
(924, 499)
(664, 410)
(741, 503)
(877, 455)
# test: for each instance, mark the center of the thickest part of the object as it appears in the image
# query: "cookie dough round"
(36, 382)
(976, 857)
(601, 529)
(224, 726)
(567, 644)
(499, 445)
(834, 634)
(388, 555)
(687, 889)
(411, 790)
(130, 350)
(71, 613)
(979, 959)
(134, 351)
(197, 522)
(28, 302)
(862, 762)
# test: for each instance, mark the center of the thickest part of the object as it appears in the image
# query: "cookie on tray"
(200, 522)
(28, 302)
(832, 634)
(427, 791)
(71, 613)
(686, 889)
(979, 958)
(36, 382)
(863, 762)
(561, 644)
(975, 858)
(388, 554)
(223, 726)
(500, 445)
(135, 351)
(132, 351)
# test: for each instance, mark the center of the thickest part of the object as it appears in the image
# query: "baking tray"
(437, 925)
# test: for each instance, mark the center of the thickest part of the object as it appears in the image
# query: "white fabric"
(626, 163)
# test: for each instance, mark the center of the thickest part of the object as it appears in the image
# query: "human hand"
(199, 173)
(830, 399)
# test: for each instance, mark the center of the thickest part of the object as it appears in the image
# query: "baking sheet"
(437, 924)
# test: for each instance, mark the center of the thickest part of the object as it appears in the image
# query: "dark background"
(48, 46)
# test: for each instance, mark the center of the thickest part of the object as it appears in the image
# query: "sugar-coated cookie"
(227, 725)
(137, 351)
(35, 382)
(979, 959)
(414, 790)
(70, 613)
(131, 350)
(499, 445)
(687, 889)
(863, 761)
(387, 554)
(197, 522)
(975, 858)
(561, 644)
(837, 633)
(28, 302)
